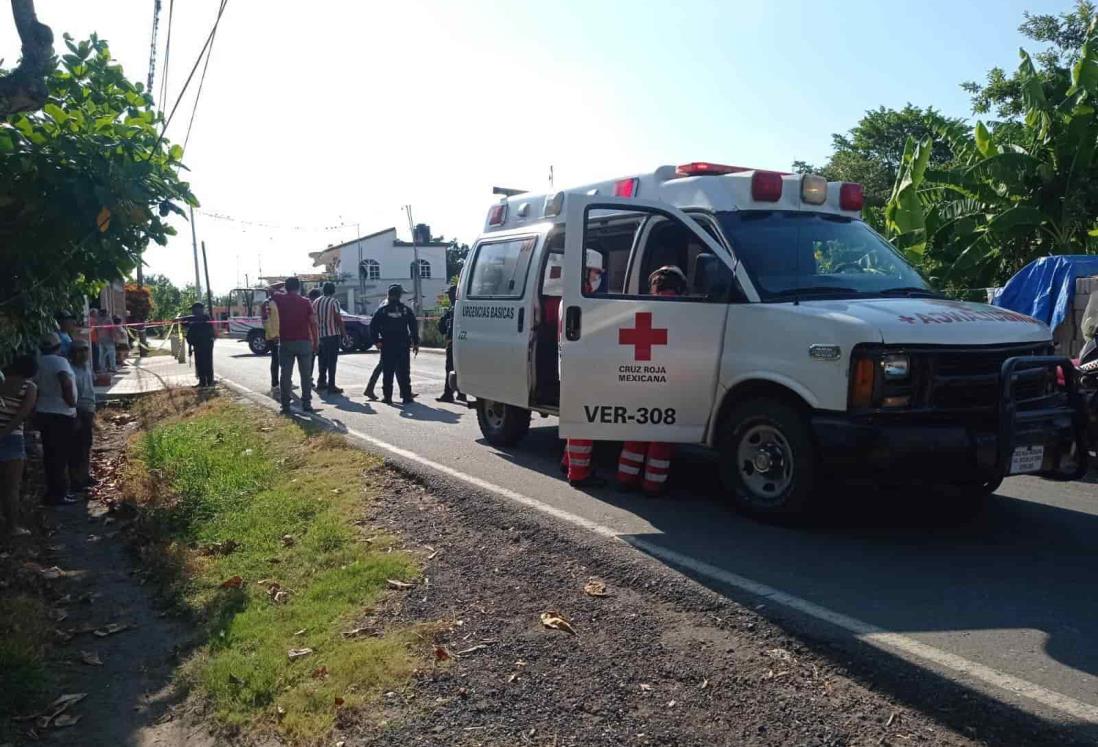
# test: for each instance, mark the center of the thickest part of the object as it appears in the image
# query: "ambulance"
(805, 348)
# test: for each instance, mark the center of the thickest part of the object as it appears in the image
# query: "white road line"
(872, 635)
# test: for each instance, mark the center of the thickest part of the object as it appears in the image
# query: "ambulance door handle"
(521, 317)
(572, 323)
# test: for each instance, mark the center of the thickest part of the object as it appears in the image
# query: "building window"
(424, 269)
(369, 269)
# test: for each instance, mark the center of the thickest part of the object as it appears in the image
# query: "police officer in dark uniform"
(200, 336)
(394, 324)
(446, 328)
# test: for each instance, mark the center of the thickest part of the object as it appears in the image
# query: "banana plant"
(1015, 191)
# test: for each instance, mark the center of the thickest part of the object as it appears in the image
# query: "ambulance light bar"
(851, 196)
(703, 168)
(498, 214)
(813, 189)
(626, 187)
(766, 186)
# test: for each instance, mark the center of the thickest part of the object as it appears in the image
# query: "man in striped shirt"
(329, 321)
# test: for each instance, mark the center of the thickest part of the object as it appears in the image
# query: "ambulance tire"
(768, 432)
(502, 425)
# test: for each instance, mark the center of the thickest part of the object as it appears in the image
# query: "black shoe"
(308, 408)
(320, 388)
(387, 401)
(462, 398)
(370, 395)
(285, 411)
(445, 398)
(408, 400)
(334, 390)
(591, 481)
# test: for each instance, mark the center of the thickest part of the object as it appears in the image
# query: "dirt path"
(658, 661)
(129, 698)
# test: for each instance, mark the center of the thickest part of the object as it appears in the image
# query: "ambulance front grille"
(968, 379)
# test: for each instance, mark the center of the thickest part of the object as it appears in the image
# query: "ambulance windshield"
(800, 255)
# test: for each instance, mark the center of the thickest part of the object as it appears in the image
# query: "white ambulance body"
(804, 344)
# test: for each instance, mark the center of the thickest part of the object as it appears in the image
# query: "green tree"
(870, 153)
(168, 300)
(85, 185)
(456, 254)
(1017, 190)
(1064, 34)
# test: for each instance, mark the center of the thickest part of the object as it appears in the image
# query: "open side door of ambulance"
(494, 317)
(636, 366)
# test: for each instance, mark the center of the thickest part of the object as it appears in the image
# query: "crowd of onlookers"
(53, 393)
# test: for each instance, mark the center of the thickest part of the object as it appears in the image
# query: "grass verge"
(228, 491)
(24, 634)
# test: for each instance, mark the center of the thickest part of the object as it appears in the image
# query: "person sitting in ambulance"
(652, 460)
(576, 462)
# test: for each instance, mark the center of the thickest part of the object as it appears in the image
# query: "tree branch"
(24, 88)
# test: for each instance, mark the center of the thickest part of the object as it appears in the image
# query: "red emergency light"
(851, 196)
(704, 168)
(626, 187)
(498, 214)
(766, 186)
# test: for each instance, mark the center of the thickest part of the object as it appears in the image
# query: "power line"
(261, 224)
(167, 57)
(194, 68)
(201, 82)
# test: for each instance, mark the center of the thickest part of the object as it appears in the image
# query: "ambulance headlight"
(896, 366)
(813, 189)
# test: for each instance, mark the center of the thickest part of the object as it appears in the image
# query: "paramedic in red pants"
(576, 462)
(647, 464)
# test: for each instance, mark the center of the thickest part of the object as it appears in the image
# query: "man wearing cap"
(394, 326)
(66, 323)
(200, 336)
(56, 417)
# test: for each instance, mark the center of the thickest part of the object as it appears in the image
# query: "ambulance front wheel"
(767, 458)
(502, 425)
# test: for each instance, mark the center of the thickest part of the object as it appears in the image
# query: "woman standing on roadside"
(18, 394)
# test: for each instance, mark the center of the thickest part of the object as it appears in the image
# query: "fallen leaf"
(232, 583)
(66, 720)
(356, 632)
(394, 584)
(62, 635)
(91, 658)
(513, 677)
(302, 632)
(442, 654)
(110, 629)
(471, 649)
(297, 653)
(557, 621)
(645, 687)
(320, 673)
(281, 597)
(339, 702)
(704, 684)
(595, 588)
(671, 704)
(57, 614)
(51, 573)
(64, 701)
(288, 540)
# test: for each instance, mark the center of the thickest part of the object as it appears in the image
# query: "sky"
(320, 120)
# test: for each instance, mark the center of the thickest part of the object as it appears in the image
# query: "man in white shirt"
(80, 455)
(56, 418)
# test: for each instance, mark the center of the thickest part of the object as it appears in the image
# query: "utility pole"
(194, 245)
(209, 293)
(141, 335)
(417, 304)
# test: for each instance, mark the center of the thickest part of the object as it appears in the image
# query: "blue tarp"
(1045, 288)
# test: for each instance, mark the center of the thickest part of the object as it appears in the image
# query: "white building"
(365, 267)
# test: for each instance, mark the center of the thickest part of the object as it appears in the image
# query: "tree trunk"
(24, 88)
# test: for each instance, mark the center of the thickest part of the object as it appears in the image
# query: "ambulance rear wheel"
(768, 460)
(502, 425)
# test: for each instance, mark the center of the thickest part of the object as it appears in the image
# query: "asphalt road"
(1004, 604)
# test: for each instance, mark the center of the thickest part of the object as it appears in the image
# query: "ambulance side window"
(612, 236)
(500, 268)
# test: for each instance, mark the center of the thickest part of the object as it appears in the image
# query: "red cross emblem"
(642, 337)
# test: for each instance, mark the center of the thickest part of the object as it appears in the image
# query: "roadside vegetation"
(251, 524)
(24, 636)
